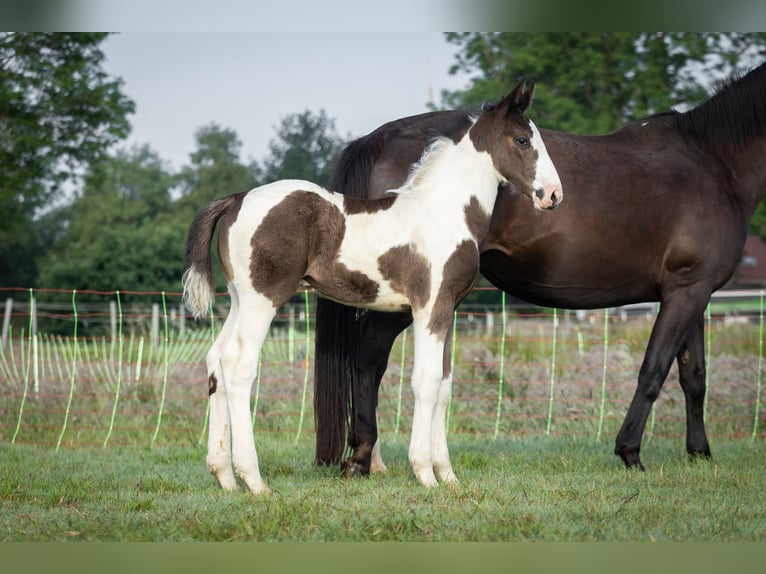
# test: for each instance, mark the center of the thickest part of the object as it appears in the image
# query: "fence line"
(137, 386)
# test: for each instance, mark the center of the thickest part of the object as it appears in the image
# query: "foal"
(414, 249)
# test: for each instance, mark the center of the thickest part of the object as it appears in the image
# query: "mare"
(414, 250)
(657, 211)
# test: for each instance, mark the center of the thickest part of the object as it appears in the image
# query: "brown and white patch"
(476, 218)
(354, 206)
(308, 252)
(227, 220)
(212, 384)
(408, 272)
(459, 274)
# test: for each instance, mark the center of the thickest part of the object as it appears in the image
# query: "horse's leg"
(219, 425)
(691, 374)
(376, 460)
(376, 335)
(426, 379)
(240, 363)
(677, 312)
(442, 464)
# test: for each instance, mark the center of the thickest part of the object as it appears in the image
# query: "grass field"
(104, 440)
(541, 489)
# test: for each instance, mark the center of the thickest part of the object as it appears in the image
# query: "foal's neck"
(452, 173)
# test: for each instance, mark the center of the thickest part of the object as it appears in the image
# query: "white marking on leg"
(440, 451)
(427, 372)
(376, 463)
(219, 426)
(240, 362)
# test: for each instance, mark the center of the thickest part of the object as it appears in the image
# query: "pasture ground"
(129, 423)
(512, 489)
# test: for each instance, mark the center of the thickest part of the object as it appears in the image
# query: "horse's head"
(517, 148)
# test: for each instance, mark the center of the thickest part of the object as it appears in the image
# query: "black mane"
(734, 115)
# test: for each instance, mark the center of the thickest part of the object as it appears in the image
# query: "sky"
(250, 81)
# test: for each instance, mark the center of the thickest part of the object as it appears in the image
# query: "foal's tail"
(337, 325)
(197, 279)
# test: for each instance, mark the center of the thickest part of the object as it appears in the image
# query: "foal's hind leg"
(376, 460)
(240, 363)
(691, 374)
(219, 426)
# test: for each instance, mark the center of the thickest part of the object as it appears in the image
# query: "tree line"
(122, 224)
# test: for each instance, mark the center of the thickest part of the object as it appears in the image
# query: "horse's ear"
(519, 98)
(513, 99)
(527, 97)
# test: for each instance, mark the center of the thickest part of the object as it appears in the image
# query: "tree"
(215, 170)
(59, 112)
(594, 82)
(306, 147)
(120, 234)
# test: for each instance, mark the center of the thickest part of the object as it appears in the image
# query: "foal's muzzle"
(547, 198)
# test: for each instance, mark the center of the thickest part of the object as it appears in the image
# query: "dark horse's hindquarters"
(661, 209)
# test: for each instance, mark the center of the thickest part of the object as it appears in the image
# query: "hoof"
(262, 490)
(632, 460)
(350, 469)
(695, 455)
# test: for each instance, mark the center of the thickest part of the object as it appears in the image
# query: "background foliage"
(77, 211)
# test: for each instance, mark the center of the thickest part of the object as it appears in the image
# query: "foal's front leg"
(439, 450)
(426, 379)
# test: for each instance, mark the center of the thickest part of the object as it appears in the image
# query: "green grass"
(523, 489)
(524, 486)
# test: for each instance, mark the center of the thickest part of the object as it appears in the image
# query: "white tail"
(198, 293)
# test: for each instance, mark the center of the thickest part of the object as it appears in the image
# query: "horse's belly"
(387, 302)
(569, 287)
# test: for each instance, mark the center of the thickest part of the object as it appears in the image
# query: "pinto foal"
(415, 249)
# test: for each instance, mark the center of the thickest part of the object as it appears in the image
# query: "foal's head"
(517, 148)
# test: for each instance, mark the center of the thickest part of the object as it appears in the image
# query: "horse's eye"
(522, 142)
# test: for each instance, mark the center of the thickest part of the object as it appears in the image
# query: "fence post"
(291, 334)
(155, 324)
(603, 376)
(759, 373)
(552, 385)
(489, 324)
(181, 321)
(113, 319)
(7, 319)
(501, 369)
(32, 313)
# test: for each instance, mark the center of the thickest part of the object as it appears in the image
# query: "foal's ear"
(519, 98)
(527, 97)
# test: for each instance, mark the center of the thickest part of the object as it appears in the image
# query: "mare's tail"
(336, 324)
(197, 279)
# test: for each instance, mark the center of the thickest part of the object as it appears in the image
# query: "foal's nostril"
(540, 193)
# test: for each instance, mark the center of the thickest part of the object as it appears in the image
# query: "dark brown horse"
(660, 208)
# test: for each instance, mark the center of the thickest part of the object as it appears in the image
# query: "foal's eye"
(522, 142)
